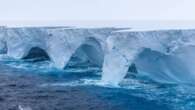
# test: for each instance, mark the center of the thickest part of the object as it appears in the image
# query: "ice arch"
(20, 40)
(168, 68)
(159, 67)
(60, 43)
(63, 43)
(174, 46)
(37, 54)
(120, 54)
(90, 50)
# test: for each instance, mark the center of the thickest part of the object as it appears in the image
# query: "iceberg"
(162, 55)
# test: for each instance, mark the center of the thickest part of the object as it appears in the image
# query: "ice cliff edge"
(163, 55)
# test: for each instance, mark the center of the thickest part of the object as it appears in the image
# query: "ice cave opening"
(36, 54)
(90, 53)
(133, 68)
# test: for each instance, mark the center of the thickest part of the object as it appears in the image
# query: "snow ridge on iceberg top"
(156, 29)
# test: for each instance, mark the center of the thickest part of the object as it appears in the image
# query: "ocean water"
(37, 85)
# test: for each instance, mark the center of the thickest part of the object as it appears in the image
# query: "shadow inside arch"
(90, 53)
(36, 54)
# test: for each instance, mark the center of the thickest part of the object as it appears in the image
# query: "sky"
(13, 11)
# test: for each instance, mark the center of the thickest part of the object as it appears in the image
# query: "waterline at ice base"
(87, 68)
(162, 55)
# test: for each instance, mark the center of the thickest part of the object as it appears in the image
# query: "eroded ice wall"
(163, 55)
(21, 40)
(169, 50)
(3, 48)
(68, 41)
(59, 43)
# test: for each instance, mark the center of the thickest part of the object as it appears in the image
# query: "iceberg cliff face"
(68, 41)
(163, 55)
(21, 40)
(3, 47)
(59, 43)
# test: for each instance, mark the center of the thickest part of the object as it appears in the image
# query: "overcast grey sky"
(56, 10)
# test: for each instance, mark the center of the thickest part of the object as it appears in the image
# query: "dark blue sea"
(37, 85)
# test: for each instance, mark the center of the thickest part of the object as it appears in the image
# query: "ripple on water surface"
(39, 86)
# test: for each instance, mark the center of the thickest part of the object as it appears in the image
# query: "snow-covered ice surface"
(139, 61)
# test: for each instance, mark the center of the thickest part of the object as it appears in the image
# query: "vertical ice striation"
(121, 52)
(3, 47)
